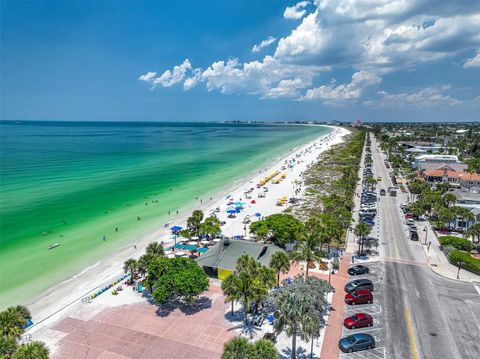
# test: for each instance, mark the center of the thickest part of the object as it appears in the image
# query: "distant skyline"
(269, 60)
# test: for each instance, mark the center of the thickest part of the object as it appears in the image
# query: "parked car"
(368, 211)
(356, 342)
(408, 215)
(359, 320)
(414, 236)
(382, 192)
(359, 297)
(359, 284)
(368, 221)
(358, 269)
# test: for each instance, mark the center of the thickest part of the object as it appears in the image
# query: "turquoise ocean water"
(74, 182)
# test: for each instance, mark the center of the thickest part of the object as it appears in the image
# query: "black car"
(359, 284)
(413, 236)
(356, 342)
(358, 269)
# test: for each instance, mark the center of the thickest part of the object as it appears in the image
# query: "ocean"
(85, 185)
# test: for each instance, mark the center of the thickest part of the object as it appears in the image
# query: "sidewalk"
(437, 260)
(333, 330)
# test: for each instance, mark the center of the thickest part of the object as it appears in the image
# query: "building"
(465, 197)
(428, 166)
(438, 159)
(221, 260)
(455, 178)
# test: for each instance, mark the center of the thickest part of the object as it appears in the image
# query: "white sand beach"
(65, 297)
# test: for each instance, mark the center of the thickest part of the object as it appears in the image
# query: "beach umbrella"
(204, 242)
(194, 238)
(192, 243)
(231, 211)
(175, 230)
(258, 215)
(217, 239)
(202, 250)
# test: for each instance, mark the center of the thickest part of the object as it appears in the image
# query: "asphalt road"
(424, 315)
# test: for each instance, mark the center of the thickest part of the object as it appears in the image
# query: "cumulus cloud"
(353, 90)
(427, 97)
(265, 43)
(296, 11)
(148, 76)
(473, 62)
(371, 38)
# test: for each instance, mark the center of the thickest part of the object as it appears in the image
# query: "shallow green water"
(73, 183)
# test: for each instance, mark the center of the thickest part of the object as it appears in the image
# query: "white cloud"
(148, 76)
(368, 37)
(168, 78)
(285, 89)
(353, 90)
(296, 11)
(265, 43)
(473, 62)
(427, 97)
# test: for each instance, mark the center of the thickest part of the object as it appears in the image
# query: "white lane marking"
(477, 288)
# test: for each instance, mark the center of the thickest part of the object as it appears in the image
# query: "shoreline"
(53, 304)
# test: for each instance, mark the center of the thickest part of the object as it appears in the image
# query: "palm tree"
(361, 231)
(8, 345)
(246, 291)
(12, 323)
(474, 231)
(265, 349)
(193, 222)
(230, 290)
(23, 311)
(32, 350)
(280, 263)
(238, 348)
(310, 330)
(155, 248)
(144, 261)
(130, 265)
(306, 251)
(291, 312)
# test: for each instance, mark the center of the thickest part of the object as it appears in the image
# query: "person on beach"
(104, 238)
(134, 245)
(177, 211)
(168, 212)
(138, 218)
(116, 229)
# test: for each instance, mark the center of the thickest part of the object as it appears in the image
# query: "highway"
(425, 315)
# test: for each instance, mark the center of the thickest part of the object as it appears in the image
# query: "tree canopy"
(176, 279)
(280, 228)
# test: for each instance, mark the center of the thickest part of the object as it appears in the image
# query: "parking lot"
(375, 310)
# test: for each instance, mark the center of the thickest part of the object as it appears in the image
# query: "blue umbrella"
(258, 214)
(175, 230)
(231, 211)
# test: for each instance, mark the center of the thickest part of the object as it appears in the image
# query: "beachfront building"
(220, 260)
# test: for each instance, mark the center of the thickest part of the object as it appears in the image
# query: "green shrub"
(466, 261)
(459, 243)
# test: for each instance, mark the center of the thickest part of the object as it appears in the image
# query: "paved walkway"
(333, 330)
(437, 260)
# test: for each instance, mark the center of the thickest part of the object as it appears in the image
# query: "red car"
(358, 320)
(359, 297)
(408, 215)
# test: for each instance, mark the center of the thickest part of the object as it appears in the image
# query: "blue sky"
(377, 60)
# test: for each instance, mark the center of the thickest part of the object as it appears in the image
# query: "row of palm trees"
(298, 306)
(140, 266)
(13, 321)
